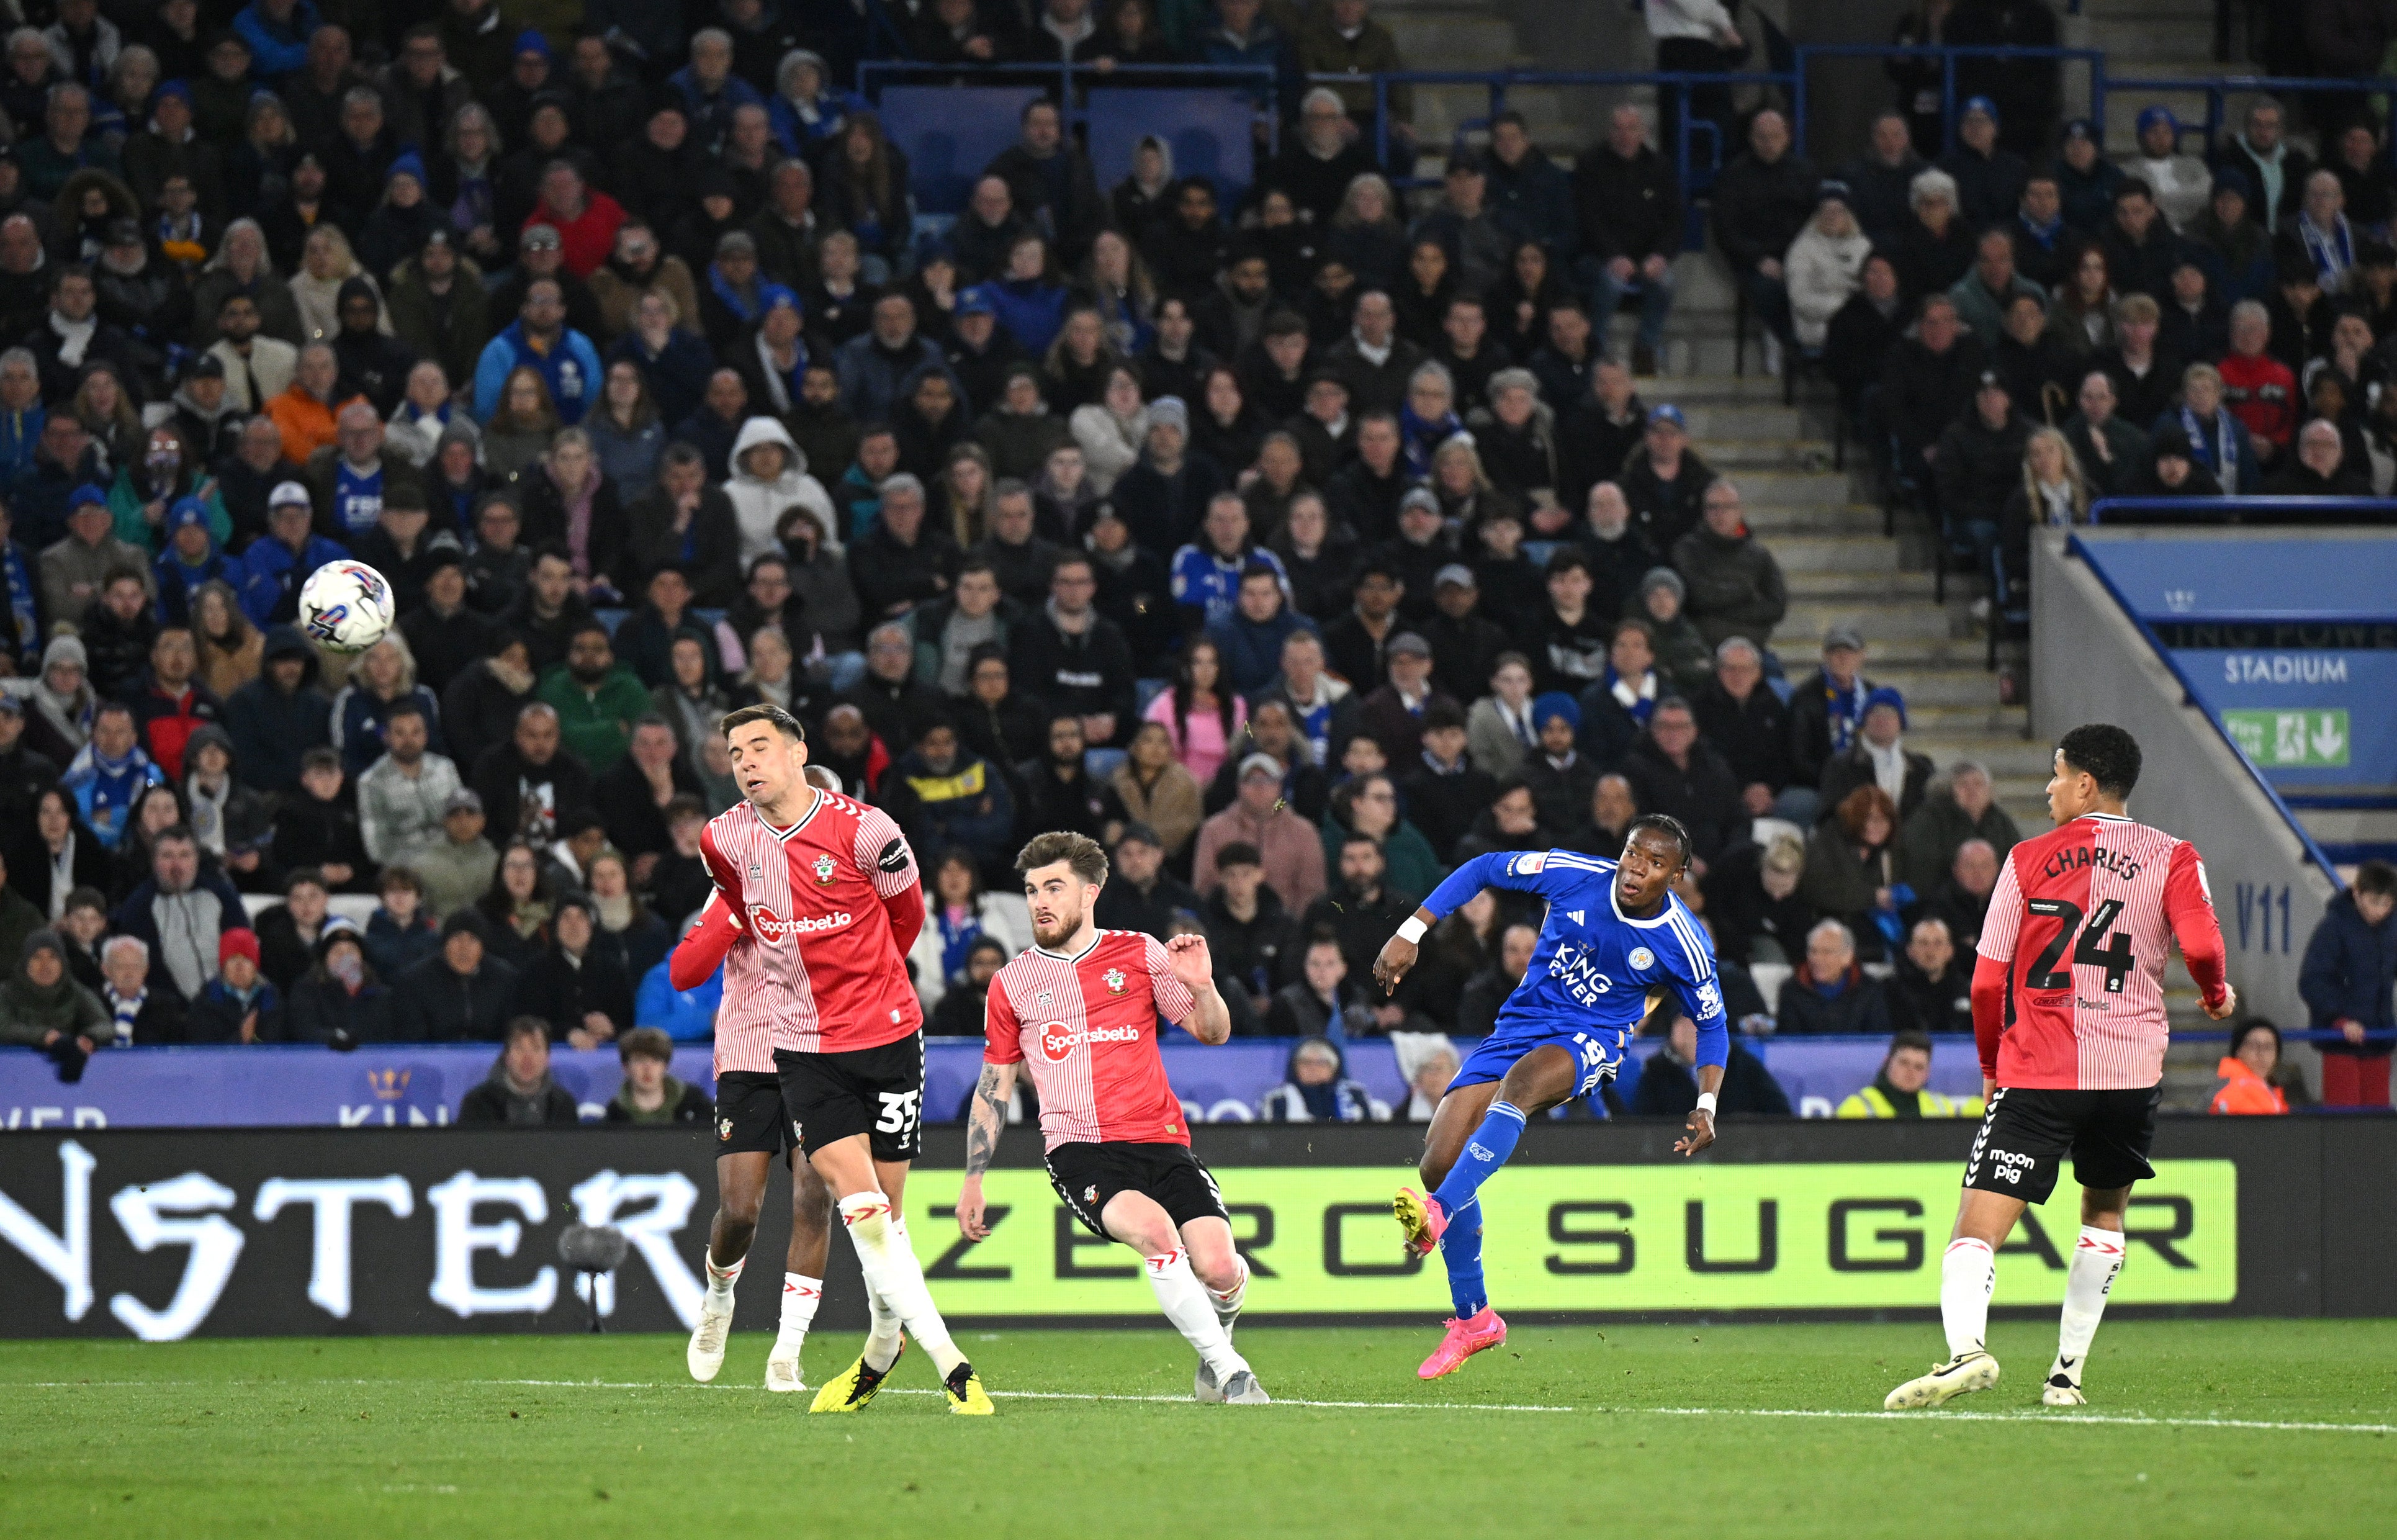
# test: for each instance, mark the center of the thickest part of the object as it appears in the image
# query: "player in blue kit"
(1613, 932)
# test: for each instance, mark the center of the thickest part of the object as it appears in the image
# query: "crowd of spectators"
(1297, 546)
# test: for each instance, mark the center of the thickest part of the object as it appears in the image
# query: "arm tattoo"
(984, 1120)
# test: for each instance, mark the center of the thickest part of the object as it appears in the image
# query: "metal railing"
(2203, 512)
(1951, 104)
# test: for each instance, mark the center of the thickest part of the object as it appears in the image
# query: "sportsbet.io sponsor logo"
(1058, 1041)
(774, 927)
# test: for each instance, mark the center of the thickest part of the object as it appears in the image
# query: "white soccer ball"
(346, 607)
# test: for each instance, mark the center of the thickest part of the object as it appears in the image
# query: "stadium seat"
(1209, 131)
(950, 133)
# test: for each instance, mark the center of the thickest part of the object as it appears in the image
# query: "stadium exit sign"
(2290, 740)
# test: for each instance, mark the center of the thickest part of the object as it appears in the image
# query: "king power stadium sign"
(2291, 740)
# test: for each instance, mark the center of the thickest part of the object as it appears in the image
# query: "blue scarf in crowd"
(2222, 457)
(1844, 708)
(2333, 251)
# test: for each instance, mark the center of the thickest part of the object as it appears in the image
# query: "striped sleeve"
(1175, 1002)
(1002, 1031)
(2002, 927)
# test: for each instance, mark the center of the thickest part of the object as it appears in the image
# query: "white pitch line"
(2033, 1418)
(2027, 1417)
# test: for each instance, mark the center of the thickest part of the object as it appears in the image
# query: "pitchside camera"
(595, 1249)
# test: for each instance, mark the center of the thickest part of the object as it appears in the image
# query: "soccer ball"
(346, 607)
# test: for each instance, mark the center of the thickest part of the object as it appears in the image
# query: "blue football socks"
(1460, 1248)
(1484, 1152)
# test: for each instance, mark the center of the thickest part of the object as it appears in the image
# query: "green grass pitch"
(2220, 1427)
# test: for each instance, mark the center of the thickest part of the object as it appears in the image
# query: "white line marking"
(2127, 1420)
(2029, 1416)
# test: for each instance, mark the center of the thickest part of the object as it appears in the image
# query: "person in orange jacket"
(2245, 1070)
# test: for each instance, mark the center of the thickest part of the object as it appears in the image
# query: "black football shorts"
(876, 1091)
(1087, 1175)
(749, 1115)
(2027, 1132)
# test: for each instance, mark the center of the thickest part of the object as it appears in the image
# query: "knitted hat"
(237, 943)
(1169, 409)
(1885, 696)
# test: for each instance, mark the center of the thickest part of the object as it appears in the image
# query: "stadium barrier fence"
(2095, 659)
(160, 1236)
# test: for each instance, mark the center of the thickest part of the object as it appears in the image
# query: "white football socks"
(801, 1294)
(893, 1278)
(1227, 1304)
(1185, 1303)
(722, 1281)
(1967, 1273)
(2097, 1263)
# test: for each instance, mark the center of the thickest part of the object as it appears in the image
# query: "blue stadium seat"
(1209, 131)
(950, 133)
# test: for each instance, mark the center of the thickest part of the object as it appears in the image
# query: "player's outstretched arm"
(1193, 968)
(1520, 871)
(1701, 1124)
(985, 1116)
(701, 949)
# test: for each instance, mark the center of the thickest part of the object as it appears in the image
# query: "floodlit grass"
(1625, 1430)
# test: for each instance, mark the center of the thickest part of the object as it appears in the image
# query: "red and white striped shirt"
(2078, 928)
(1087, 1027)
(820, 963)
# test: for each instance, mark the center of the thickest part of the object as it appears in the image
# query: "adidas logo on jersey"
(774, 927)
(1058, 1041)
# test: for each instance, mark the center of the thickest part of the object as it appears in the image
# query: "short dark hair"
(1238, 852)
(1079, 851)
(2105, 754)
(1564, 558)
(1911, 1039)
(524, 1026)
(2377, 876)
(1663, 823)
(645, 1042)
(774, 715)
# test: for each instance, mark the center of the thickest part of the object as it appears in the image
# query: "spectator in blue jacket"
(277, 33)
(192, 557)
(2348, 979)
(710, 89)
(278, 717)
(686, 1015)
(22, 417)
(539, 339)
(1249, 639)
(1027, 294)
(1208, 572)
(273, 567)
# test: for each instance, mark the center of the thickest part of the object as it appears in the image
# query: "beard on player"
(1057, 915)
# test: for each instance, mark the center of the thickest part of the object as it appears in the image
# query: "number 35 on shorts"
(900, 1111)
(1596, 1065)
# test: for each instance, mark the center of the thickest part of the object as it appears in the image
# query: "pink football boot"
(1465, 1338)
(1420, 1215)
